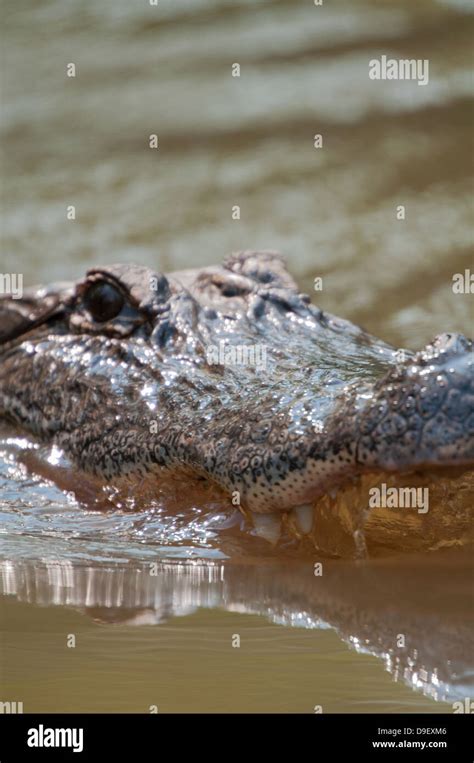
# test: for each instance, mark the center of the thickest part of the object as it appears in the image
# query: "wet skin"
(130, 373)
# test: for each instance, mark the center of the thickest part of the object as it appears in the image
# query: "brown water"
(261, 636)
(166, 639)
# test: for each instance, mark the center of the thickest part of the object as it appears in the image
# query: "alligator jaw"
(380, 513)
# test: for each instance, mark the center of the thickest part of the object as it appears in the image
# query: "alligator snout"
(422, 411)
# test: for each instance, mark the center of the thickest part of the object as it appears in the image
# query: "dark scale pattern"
(143, 390)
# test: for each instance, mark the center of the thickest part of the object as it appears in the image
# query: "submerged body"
(230, 374)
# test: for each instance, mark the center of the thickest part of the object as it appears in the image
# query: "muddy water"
(165, 639)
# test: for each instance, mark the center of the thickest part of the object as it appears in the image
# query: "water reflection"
(410, 614)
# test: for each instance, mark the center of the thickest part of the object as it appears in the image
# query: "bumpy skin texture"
(142, 391)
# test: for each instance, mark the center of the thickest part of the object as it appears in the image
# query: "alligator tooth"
(267, 526)
(303, 516)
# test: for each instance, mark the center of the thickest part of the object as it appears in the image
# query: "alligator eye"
(103, 301)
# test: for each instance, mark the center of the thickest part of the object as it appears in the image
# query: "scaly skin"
(138, 392)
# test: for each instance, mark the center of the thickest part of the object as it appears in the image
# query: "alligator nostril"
(231, 290)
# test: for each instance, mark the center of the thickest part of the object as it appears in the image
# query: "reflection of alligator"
(404, 613)
(229, 373)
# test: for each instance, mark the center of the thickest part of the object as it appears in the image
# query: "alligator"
(230, 374)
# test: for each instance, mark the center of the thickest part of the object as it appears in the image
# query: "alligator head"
(231, 374)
